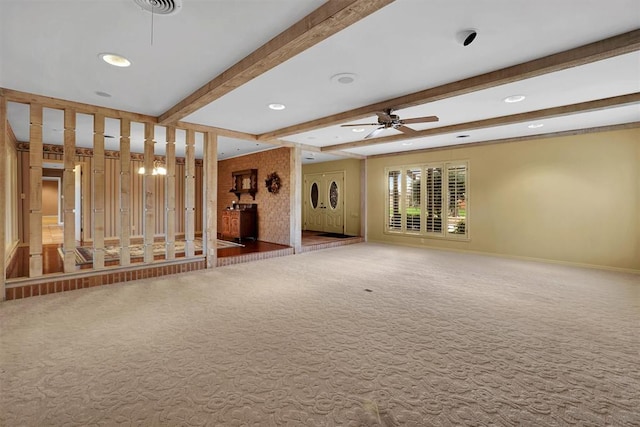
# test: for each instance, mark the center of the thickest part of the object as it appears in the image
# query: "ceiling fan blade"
(407, 130)
(362, 124)
(384, 116)
(375, 132)
(427, 119)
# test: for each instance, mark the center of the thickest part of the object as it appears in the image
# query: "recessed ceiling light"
(277, 107)
(463, 136)
(514, 98)
(115, 59)
(344, 78)
(407, 143)
(535, 125)
(103, 94)
(357, 130)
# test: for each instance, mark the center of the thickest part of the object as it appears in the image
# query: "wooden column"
(190, 194)
(97, 192)
(35, 191)
(3, 196)
(210, 197)
(125, 191)
(295, 199)
(68, 189)
(149, 193)
(170, 194)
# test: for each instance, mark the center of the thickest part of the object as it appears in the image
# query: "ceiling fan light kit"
(387, 120)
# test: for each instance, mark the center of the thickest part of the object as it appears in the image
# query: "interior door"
(324, 202)
(334, 202)
(314, 205)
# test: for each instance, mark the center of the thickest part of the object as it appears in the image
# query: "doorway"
(324, 202)
(51, 210)
(53, 202)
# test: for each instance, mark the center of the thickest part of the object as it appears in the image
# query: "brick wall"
(273, 209)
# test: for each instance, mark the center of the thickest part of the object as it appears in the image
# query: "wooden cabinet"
(245, 181)
(240, 223)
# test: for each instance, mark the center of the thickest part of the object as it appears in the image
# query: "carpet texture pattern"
(439, 339)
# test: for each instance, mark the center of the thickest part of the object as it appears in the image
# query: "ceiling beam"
(547, 113)
(312, 148)
(61, 104)
(330, 18)
(572, 132)
(597, 51)
(218, 131)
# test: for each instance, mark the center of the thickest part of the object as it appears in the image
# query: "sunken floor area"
(249, 251)
(361, 335)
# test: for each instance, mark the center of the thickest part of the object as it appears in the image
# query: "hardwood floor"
(250, 247)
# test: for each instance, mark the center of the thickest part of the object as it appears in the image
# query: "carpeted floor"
(441, 339)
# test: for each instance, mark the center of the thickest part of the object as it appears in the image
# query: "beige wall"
(49, 198)
(352, 178)
(572, 199)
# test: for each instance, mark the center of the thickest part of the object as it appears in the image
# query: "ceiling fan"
(387, 120)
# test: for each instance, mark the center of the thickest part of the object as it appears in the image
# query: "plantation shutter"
(412, 202)
(433, 196)
(456, 199)
(394, 214)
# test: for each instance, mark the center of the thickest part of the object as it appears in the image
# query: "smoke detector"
(160, 7)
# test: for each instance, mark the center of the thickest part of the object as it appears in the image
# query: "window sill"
(465, 238)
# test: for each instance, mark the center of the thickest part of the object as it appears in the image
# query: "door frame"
(306, 196)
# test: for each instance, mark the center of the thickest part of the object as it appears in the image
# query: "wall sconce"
(158, 169)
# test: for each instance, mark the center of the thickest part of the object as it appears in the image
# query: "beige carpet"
(442, 339)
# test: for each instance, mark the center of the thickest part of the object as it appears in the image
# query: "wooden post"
(98, 191)
(210, 196)
(149, 193)
(295, 199)
(35, 191)
(69, 197)
(125, 191)
(3, 196)
(170, 194)
(190, 194)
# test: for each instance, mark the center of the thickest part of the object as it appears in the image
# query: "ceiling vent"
(160, 7)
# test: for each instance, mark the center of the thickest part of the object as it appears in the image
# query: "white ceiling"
(51, 48)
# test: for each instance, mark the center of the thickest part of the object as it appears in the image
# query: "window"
(394, 217)
(429, 200)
